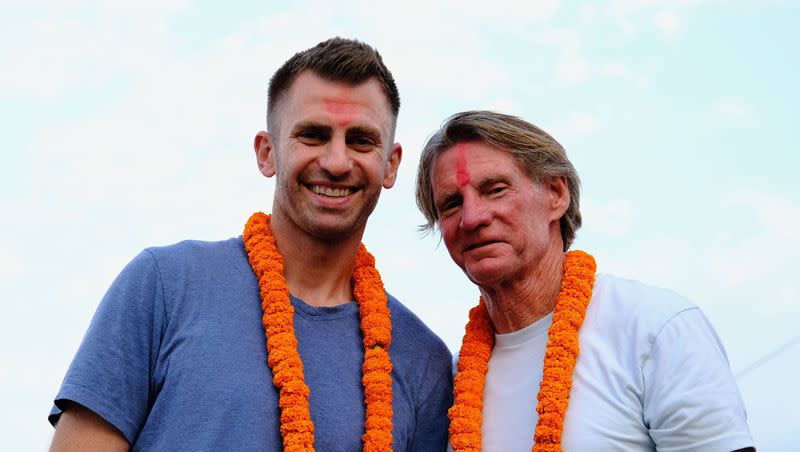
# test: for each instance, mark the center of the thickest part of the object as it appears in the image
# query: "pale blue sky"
(131, 126)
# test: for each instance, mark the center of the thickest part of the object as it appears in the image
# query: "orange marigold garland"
(559, 362)
(376, 327)
(297, 429)
(473, 362)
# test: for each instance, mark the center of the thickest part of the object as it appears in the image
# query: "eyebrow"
(357, 129)
(491, 180)
(363, 130)
(310, 125)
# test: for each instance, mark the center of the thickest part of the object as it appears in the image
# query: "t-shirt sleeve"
(430, 432)
(111, 372)
(691, 401)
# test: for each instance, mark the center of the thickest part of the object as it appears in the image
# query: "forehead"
(313, 98)
(475, 161)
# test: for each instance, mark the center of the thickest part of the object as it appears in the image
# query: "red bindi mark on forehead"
(342, 110)
(462, 173)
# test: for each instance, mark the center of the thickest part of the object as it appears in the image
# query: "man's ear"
(557, 190)
(392, 163)
(265, 153)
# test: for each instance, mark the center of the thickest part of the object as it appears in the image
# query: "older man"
(176, 356)
(651, 373)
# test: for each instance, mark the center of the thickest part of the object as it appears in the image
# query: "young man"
(644, 372)
(176, 356)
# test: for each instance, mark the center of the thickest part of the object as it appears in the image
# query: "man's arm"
(80, 429)
(431, 416)
(110, 378)
(691, 401)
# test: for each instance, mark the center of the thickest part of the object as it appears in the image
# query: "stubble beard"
(307, 220)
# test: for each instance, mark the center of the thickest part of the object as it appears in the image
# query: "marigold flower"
(559, 362)
(297, 429)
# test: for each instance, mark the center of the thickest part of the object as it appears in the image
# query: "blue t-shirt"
(175, 358)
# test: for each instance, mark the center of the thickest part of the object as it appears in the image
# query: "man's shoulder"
(633, 301)
(197, 247)
(409, 330)
(633, 292)
(198, 251)
(197, 261)
(406, 320)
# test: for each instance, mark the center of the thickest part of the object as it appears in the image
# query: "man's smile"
(332, 192)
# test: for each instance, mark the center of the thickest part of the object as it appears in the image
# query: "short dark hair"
(536, 152)
(339, 60)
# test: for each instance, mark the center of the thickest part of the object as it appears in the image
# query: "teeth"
(332, 192)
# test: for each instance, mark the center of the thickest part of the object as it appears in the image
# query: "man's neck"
(316, 271)
(515, 305)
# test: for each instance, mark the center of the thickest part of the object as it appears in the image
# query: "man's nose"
(335, 159)
(474, 212)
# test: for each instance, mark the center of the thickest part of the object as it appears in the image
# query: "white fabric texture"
(651, 375)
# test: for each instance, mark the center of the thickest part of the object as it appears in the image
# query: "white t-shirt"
(651, 374)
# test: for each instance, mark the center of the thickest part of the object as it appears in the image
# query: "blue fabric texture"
(175, 358)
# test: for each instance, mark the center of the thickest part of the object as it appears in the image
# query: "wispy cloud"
(777, 215)
(571, 67)
(11, 266)
(610, 217)
(667, 22)
(581, 124)
(734, 110)
(70, 48)
(621, 70)
(634, 16)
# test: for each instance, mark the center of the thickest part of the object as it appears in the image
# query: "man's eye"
(311, 136)
(448, 206)
(361, 141)
(497, 189)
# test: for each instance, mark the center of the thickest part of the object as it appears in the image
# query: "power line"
(768, 357)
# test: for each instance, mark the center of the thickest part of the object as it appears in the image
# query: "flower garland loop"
(559, 362)
(297, 429)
